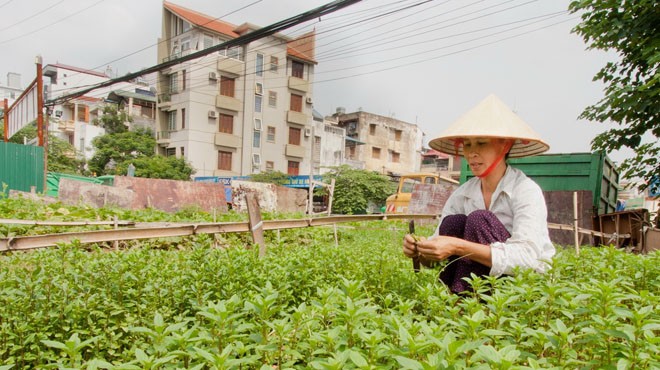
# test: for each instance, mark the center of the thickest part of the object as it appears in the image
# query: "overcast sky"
(427, 64)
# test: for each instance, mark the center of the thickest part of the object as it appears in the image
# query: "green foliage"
(62, 156)
(354, 189)
(158, 167)
(114, 149)
(271, 177)
(113, 120)
(632, 92)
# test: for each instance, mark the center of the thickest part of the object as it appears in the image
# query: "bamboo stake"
(575, 221)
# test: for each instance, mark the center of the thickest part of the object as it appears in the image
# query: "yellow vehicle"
(398, 203)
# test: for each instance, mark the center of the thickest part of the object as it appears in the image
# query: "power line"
(241, 40)
(50, 24)
(32, 16)
(3, 5)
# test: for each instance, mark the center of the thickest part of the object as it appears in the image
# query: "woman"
(496, 221)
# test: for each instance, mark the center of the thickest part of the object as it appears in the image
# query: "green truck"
(594, 172)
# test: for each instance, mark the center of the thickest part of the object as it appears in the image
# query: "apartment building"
(73, 120)
(381, 144)
(238, 111)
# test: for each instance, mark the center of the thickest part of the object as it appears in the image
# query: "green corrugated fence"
(21, 167)
(54, 178)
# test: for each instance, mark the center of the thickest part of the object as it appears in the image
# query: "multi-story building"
(328, 147)
(12, 90)
(73, 120)
(237, 111)
(390, 146)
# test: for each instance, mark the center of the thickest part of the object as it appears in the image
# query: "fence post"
(255, 223)
(575, 222)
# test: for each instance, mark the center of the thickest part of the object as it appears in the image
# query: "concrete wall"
(74, 192)
(271, 198)
(172, 195)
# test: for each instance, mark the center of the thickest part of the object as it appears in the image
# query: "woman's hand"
(438, 248)
(410, 245)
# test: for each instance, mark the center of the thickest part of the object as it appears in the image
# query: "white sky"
(545, 75)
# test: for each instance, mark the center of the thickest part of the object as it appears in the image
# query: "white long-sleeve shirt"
(519, 204)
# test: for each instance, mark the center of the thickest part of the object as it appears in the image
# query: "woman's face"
(481, 152)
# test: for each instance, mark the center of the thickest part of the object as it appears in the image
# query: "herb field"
(208, 303)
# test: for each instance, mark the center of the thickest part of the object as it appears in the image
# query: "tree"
(354, 189)
(113, 120)
(114, 149)
(158, 167)
(632, 92)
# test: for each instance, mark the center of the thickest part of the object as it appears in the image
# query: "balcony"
(230, 65)
(66, 126)
(299, 84)
(228, 140)
(163, 137)
(229, 103)
(294, 151)
(297, 117)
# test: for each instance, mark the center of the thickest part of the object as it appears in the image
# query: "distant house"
(12, 90)
(140, 105)
(73, 120)
(382, 144)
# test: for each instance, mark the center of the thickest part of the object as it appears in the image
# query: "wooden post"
(116, 243)
(6, 119)
(575, 222)
(332, 193)
(310, 198)
(255, 222)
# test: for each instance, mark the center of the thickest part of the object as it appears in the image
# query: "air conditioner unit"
(256, 159)
(259, 88)
(213, 114)
(58, 113)
(309, 100)
(308, 131)
(257, 124)
(213, 76)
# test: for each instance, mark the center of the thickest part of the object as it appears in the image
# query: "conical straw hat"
(491, 118)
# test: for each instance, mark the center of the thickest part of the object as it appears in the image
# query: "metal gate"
(21, 167)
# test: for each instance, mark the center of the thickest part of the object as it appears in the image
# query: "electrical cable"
(3, 5)
(50, 24)
(32, 16)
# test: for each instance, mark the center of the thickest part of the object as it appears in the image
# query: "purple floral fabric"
(481, 227)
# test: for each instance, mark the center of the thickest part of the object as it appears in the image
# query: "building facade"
(12, 90)
(73, 120)
(236, 111)
(383, 144)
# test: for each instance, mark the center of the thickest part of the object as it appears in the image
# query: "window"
(397, 135)
(171, 120)
(233, 52)
(273, 64)
(183, 118)
(256, 139)
(294, 136)
(270, 166)
(174, 83)
(183, 152)
(272, 99)
(170, 152)
(297, 69)
(227, 86)
(183, 78)
(256, 159)
(208, 41)
(257, 103)
(293, 168)
(296, 103)
(375, 152)
(257, 124)
(226, 124)
(259, 88)
(224, 160)
(270, 136)
(259, 69)
(393, 156)
(185, 42)
(372, 129)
